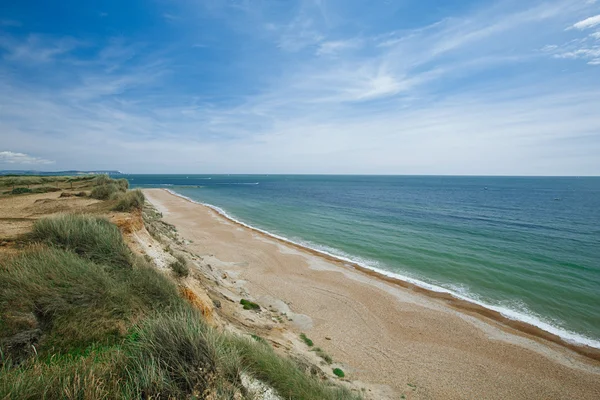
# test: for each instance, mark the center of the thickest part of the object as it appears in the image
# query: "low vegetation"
(180, 266)
(84, 318)
(91, 237)
(306, 340)
(326, 357)
(14, 181)
(130, 201)
(101, 187)
(338, 372)
(107, 188)
(259, 339)
(249, 305)
(105, 192)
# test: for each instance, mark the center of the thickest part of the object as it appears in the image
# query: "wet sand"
(385, 332)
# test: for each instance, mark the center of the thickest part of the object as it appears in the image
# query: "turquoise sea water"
(527, 247)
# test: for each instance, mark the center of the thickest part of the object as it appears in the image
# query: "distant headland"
(54, 173)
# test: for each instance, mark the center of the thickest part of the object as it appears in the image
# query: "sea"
(527, 247)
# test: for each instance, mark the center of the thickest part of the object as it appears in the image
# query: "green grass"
(45, 189)
(338, 372)
(91, 237)
(28, 180)
(259, 339)
(180, 266)
(105, 192)
(326, 357)
(107, 188)
(20, 190)
(129, 201)
(306, 340)
(249, 305)
(32, 182)
(76, 323)
(67, 302)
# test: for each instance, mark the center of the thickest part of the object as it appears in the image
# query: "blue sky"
(316, 86)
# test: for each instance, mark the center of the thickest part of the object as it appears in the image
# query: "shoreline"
(393, 339)
(460, 304)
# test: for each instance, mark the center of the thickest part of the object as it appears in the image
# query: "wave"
(461, 293)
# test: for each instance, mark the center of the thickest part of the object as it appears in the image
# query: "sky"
(301, 86)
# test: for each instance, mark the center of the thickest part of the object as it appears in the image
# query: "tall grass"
(178, 354)
(91, 237)
(105, 192)
(107, 188)
(71, 303)
(78, 321)
(90, 377)
(132, 200)
(283, 374)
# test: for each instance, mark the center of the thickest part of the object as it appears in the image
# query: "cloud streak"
(588, 23)
(10, 157)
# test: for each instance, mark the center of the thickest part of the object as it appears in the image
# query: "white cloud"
(584, 53)
(336, 46)
(10, 157)
(588, 23)
(595, 35)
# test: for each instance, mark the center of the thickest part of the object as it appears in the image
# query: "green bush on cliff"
(133, 200)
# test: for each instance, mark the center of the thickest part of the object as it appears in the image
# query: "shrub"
(122, 183)
(21, 190)
(338, 372)
(102, 180)
(104, 192)
(45, 189)
(180, 267)
(249, 305)
(90, 237)
(133, 200)
(306, 340)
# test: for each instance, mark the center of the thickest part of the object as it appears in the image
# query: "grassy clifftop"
(83, 317)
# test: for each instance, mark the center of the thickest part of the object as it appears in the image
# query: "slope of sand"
(377, 331)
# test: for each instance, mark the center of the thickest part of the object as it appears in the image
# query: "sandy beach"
(397, 338)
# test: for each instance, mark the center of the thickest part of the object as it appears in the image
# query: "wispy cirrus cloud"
(333, 47)
(314, 87)
(36, 48)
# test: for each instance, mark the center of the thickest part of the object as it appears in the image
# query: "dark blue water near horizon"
(528, 247)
